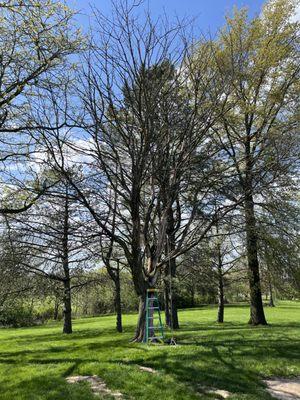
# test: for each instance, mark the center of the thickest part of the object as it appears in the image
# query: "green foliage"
(98, 298)
(16, 315)
(18, 312)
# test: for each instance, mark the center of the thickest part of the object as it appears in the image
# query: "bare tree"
(148, 113)
(50, 240)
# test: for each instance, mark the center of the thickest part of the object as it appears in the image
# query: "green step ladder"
(154, 331)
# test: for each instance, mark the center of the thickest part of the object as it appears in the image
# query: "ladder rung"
(155, 337)
(153, 327)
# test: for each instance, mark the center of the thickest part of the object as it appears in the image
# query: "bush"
(17, 316)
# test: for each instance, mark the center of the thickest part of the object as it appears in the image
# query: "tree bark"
(271, 301)
(170, 290)
(171, 312)
(257, 315)
(56, 309)
(117, 301)
(114, 274)
(141, 323)
(167, 305)
(192, 297)
(67, 328)
(220, 318)
(174, 323)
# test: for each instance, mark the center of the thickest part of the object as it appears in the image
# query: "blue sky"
(209, 13)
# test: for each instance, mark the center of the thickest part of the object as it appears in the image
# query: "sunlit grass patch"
(235, 357)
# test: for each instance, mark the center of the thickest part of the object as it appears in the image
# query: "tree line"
(140, 150)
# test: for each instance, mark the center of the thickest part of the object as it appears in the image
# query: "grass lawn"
(234, 356)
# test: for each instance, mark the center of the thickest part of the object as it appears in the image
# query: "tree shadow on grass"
(215, 371)
(204, 326)
(48, 355)
(47, 387)
(232, 364)
(80, 335)
(222, 358)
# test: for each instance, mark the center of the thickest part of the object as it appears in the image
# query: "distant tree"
(53, 240)
(111, 255)
(279, 243)
(14, 281)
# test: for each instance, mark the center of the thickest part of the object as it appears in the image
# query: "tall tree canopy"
(258, 60)
(36, 38)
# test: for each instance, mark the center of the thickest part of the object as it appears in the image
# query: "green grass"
(234, 356)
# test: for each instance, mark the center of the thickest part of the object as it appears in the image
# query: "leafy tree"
(257, 61)
(36, 38)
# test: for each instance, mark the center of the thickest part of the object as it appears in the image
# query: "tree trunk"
(56, 309)
(167, 305)
(192, 297)
(117, 301)
(67, 328)
(220, 299)
(257, 316)
(271, 301)
(220, 317)
(171, 312)
(174, 323)
(141, 324)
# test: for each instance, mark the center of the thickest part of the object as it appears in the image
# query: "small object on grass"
(284, 388)
(171, 342)
(222, 393)
(98, 386)
(147, 369)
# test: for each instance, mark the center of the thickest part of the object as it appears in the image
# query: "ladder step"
(153, 317)
(155, 337)
(154, 327)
